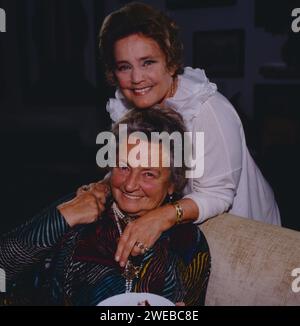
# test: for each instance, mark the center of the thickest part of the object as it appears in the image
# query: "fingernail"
(122, 264)
(117, 258)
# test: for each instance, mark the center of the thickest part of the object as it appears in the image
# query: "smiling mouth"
(141, 91)
(129, 196)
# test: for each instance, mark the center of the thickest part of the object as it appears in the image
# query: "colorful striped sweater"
(48, 263)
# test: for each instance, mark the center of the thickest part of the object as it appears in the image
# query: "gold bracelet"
(179, 212)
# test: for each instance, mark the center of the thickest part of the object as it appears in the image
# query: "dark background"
(53, 92)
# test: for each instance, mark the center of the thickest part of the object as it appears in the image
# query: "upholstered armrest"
(251, 262)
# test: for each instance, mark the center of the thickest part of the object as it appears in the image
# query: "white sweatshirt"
(231, 181)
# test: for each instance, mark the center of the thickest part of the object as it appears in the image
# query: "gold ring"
(140, 245)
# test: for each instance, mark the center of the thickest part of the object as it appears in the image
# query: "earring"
(174, 86)
(170, 198)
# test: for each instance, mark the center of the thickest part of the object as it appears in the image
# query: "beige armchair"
(251, 262)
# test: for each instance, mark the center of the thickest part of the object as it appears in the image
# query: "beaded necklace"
(131, 271)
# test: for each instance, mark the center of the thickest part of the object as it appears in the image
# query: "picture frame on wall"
(221, 53)
(194, 4)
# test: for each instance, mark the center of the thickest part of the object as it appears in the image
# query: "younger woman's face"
(141, 71)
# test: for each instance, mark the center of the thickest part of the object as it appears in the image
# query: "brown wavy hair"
(139, 18)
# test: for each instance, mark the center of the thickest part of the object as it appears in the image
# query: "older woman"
(66, 255)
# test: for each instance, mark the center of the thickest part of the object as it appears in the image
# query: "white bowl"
(136, 299)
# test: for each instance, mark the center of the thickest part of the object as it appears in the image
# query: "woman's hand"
(86, 207)
(141, 234)
(94, 185)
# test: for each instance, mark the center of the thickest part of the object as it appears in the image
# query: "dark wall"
(52, 101)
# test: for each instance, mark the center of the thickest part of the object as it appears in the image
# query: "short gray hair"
(158, 120)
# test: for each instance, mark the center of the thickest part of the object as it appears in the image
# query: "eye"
(149, 175)
(123, 167)
(148, 63)
(123, 67)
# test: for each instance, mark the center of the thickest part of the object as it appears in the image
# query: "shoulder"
(185, 234)
(217, 109)
(200, 96)
(187, 238)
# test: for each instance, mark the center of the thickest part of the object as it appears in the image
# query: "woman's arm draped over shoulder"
(28, 243)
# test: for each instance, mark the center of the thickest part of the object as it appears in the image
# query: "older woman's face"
(138, 190)
(141, 71)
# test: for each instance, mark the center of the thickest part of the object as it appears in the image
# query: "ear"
(171, 189)
(172, 70)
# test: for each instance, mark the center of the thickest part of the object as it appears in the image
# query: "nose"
(137, 75)
(131, 183)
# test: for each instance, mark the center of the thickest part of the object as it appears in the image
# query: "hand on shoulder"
(87, 206)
